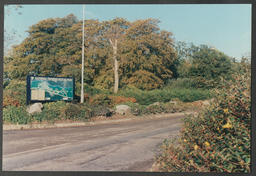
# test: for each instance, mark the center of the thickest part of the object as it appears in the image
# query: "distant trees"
(209, 63)
(204, 64)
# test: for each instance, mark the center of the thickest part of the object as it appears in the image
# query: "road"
(124, 146)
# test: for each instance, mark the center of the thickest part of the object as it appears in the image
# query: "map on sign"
(52, 89)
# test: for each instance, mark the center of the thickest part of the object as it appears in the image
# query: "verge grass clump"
(218, 138)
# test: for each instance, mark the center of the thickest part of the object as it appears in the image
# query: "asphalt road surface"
(124, 146)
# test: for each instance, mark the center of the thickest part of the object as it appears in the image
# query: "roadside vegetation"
(99, 103)
(218, 138)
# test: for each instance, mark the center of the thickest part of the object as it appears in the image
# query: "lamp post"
(82, 72)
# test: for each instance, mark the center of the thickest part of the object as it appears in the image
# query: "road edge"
(89, 123)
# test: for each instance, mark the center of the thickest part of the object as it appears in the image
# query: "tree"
(184, 58)
(42, 52)
(116, 52)
(115, 31)
(148, 50)
(210, 63)
(203, 64)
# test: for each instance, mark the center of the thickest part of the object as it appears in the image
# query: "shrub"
(105, 80)
(61, 110)
(76, 112)
(154, 109)
(201, 82)
(71, 111)
(85, 111)
(100, 100)
(137, 109)
(121, 99)
(100, 111)
(15, 94)
(165, 95)
(172, 108)
(51, 111)
(198, 82)
(6, 82)
(216, 140)
(189, 95)
(181, 83)
(93, 91)
(16, 115)
(145, 80)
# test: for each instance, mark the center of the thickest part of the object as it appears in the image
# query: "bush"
(187, 83)
(52, 111)
(61, 110)
(16, 115)
(216, 140)
(93, 91)
(121, 99)
(76, 112)
(100, 100)
(105, 80)
(100, 111)
(154, 109)
(15, 94)
(145, 80)
(71, 111)
(137, 109)
(165, 95)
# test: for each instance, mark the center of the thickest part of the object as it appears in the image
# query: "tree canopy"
(202, 61)
(136, 53)
(53, 48)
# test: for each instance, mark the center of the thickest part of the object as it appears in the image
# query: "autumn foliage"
(145, 53)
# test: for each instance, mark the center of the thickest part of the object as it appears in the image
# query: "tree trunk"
(115, 67)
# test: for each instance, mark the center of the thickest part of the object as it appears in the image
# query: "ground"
(129, 145)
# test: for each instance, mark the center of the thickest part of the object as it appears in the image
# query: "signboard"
(49, 89)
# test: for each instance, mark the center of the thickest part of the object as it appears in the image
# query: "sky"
(226, 27)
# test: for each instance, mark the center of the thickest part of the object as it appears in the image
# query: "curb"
(78, 124)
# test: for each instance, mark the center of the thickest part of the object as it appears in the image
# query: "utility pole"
(82, 73)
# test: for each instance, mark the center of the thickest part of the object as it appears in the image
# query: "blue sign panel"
(50, 88)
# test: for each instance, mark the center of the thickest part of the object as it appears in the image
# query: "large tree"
(117, 52)
(115, 31)
(148, 51)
